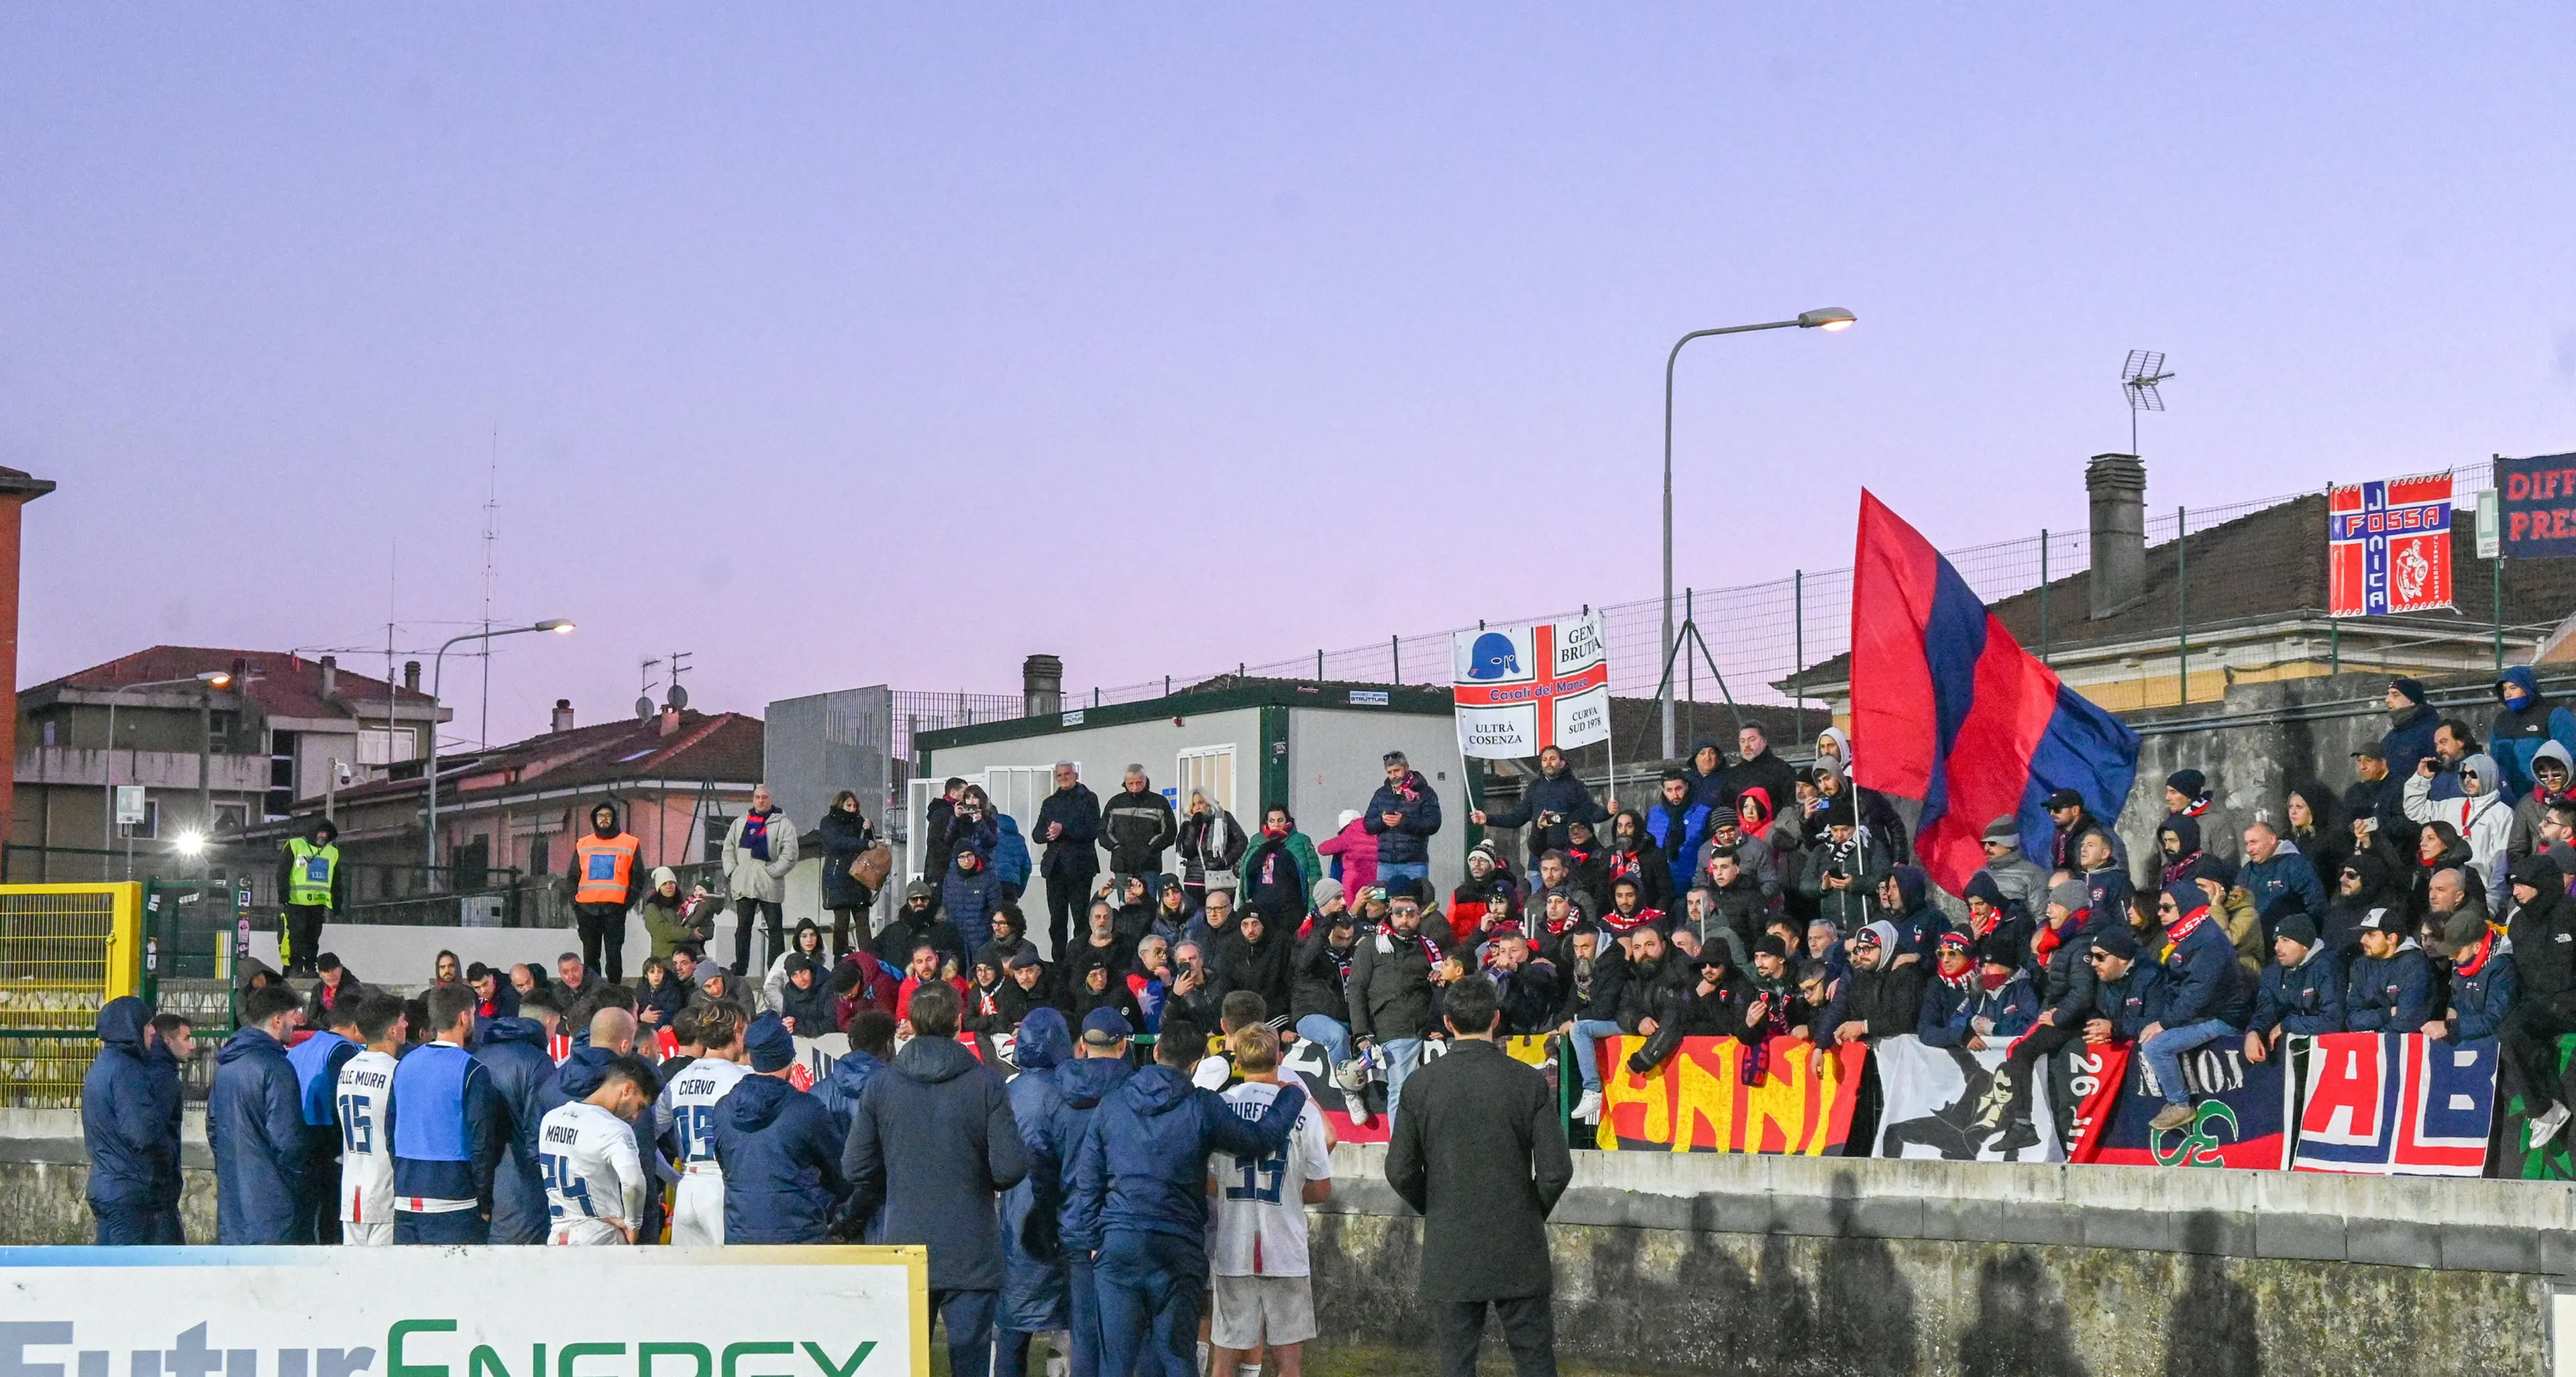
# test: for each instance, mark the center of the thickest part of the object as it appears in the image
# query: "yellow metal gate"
(64, 951)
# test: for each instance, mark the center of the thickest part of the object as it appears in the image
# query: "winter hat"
(2484, 767)
(2005, 829)
(2412, 690)
(2218, 868)
(2539, 872)
(2072, 894)
(664, 875)
(1839, 813)
(772, 1048)
(2299, 929)
(1771, 945)
(1996, 951)
(1349, 816)
(2117, 940)
(1326, 891)
(2186, 896)
(919, 889)
(2372, 750)
(1982, 886)
(1105, 1028)
(2188, 783)
(1954, 940)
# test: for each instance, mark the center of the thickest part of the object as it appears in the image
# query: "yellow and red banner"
(1698, 1101)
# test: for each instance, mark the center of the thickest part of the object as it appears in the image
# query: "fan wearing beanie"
(777, 1145)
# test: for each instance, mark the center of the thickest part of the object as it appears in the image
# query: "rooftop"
(282, 683)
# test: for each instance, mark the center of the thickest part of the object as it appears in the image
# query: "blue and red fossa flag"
(1947, 708)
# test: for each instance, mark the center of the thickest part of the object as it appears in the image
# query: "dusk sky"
(844, 345)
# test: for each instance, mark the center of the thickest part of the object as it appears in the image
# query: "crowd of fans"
(1747, 899)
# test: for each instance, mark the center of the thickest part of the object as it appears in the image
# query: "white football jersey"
(687, 1109)
(1260, 1214)
(366, 1140)
(587, 1157)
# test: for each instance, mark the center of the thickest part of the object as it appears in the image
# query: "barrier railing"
(65, 950)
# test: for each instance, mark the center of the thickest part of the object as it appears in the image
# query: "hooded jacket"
(935, 1144)
(2341, 926)
(513, 1053)
(130, 1112)
(2389, 994)
(255, 1124)
(2484, 820)
(1888, 1000)
(2283, 885)
(1010, 859)
(840, 1088)
(968, 897)
(782, 1174)
(2202, 977)
(1418, 820)
(2482, 998)
(1143, 1162)
(2515, 735)
(2531, 808)
(1034, 1299)
(1354, 850)
(2543, 933)
(1080, 1086)
(1679, 832)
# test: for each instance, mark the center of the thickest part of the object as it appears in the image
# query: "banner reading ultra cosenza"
(467, 1312)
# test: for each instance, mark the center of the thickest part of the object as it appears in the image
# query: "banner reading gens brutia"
(1521, 689)
(465, 1312)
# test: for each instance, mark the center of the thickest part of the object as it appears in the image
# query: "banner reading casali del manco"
(1521, 689)
(466, 1312)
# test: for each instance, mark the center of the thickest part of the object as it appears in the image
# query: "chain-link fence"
(1760, 636)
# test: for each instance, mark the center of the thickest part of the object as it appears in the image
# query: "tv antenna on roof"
(2138, 379)
(644, 703)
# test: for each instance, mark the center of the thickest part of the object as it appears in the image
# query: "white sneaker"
(2545, 1127)
(1588, 1109)
(1359, 1109)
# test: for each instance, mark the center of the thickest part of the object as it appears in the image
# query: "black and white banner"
(1933, 1099)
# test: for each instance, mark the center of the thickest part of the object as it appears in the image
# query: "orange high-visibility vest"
(607, 868)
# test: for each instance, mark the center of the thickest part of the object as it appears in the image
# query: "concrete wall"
(1335, 761)
(1708, 1263)
(44, 1178)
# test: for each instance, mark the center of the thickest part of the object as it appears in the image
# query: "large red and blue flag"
(1947, 708)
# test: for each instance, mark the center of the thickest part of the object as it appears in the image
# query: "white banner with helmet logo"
(1521, 689)
(469, 1312)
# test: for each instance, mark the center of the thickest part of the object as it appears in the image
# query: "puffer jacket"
(839, 1090)
(1034, 1298)
(2515, 736)
(1137, 828)
(130, 1112)
(846, 836)
(513, 1053)
(748, 875)
(782, 1165)
(255, 1124)
(1143, 1162)
(1417, 810)
(1080, 1085)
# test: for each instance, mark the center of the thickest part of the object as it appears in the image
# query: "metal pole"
(437, 685)
(2182, 600)
(2043, 595)
(205, 762)
(107, 773)
(1690, 667)
(1666, 694)
(2499, 616)
(2334, 647)
(1396, 644)
(1798, 647)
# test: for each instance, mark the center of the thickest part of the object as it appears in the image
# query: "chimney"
(330, 674)
(2117, 483)
(411, 675)
(563, 715)
(1042, 685)
(668, 722)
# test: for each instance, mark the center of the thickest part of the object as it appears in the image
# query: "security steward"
(606, 866)
(313, 885)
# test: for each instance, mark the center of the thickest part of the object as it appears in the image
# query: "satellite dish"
(678, 698)
(644, 708)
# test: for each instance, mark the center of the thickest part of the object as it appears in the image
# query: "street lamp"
(211, 679)
(437, 681)
(1830, 319)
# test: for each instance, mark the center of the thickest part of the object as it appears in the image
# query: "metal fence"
(65, 950)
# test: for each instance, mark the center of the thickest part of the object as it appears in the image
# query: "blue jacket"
(2305, 998)
(2203, 981)
(2283, 885)
(255, 1124)
(513, 1053)
(1034, 1298)
(1010, 856)
(2390, 994)
(1680, 831)
(2409, 741)
(1408, 842)
(2131, 1002)
(130, 1112)
(782, 1166)
(2014, 1009)
(1944, 1020)
(1077, 851)
(1080, 1087)
(1143, 1162)
(2515, 736)
(839, 1091)
(934, 1144)
(2480, 1002)
(968, 900)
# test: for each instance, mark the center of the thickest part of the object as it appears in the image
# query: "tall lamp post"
(437, 681)
(1828, 318)
(210, 680)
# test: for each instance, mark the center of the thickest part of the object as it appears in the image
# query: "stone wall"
(1770, 1266)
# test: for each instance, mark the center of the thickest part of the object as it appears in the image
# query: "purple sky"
(843, 347)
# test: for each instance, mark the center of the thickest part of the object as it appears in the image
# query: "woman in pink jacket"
(1354, 854)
